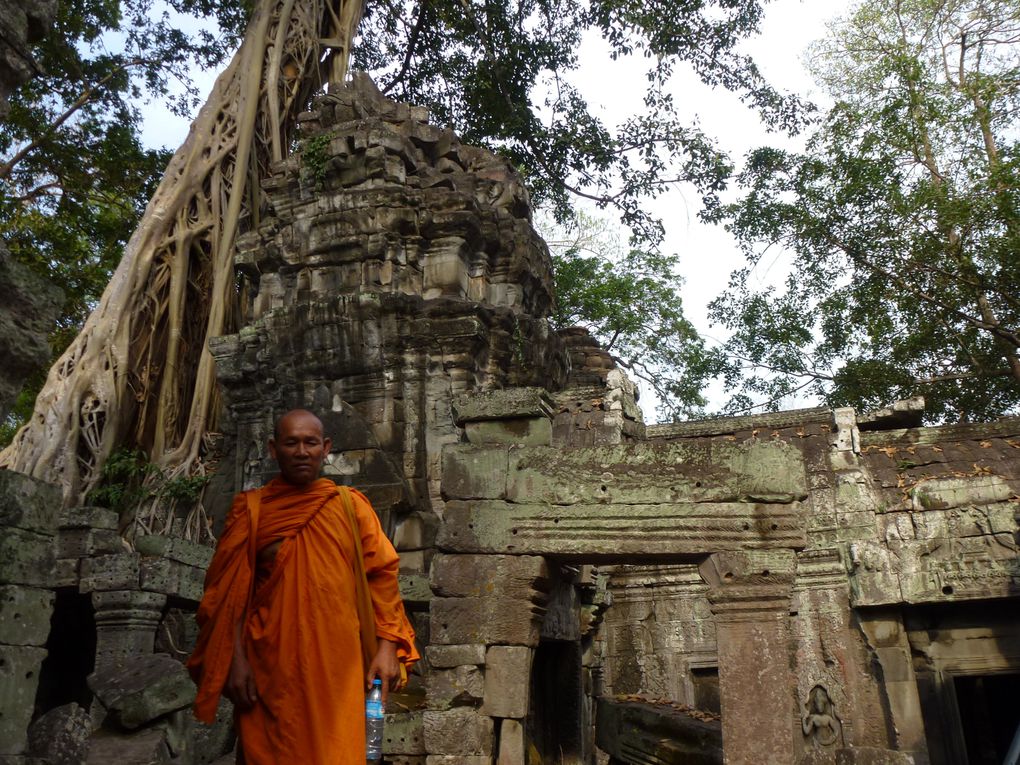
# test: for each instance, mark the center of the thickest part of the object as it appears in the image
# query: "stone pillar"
(485, 622)
(126, 622)
(750, 598)
(28, 520)
(888, 640)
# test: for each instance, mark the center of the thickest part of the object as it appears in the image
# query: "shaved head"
(296, 414)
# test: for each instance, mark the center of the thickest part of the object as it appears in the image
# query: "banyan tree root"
(139, 374)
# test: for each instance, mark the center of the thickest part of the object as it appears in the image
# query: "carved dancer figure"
(820, 723)
(280, 632)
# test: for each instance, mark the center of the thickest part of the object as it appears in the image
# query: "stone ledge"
(606, 533)
(502, 404)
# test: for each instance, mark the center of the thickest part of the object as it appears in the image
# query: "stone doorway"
(989, 714)
(558, 716)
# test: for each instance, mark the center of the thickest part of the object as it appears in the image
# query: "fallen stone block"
(146, 747)
(211, 742)
(61, 736)
(140, 689)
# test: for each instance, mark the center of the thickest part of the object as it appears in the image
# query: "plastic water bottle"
(374, 723)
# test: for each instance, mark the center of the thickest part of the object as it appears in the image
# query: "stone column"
(750, 599)
(486, 618)
(126, 616)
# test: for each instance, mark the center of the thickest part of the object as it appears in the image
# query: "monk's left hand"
(386, 667)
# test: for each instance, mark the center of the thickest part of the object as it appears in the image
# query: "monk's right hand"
(240, 687)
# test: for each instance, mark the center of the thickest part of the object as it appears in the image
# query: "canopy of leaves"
(499, 74)
(628, 299)
(897, 227)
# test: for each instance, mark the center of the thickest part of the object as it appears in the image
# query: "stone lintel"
(502, 404)
(656, 473)
(631, 533)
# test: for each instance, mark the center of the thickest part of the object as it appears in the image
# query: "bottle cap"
(376, 681)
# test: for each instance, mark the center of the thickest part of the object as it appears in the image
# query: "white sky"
(708, 254)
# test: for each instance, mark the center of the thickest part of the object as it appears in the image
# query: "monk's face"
(299, 447)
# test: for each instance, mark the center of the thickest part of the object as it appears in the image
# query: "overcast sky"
(707, 253)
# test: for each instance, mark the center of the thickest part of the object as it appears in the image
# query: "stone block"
(145, 747)
(176, 549)
(210, 742)
(672, 473)
(139, 689)
(458, 732)
(484, 620)
(446, 656)
(416, 531)
(870, 755)
(511, 743)
(945, 493)
(475, 472)
(61, 736)
(110, 572)
(25, 615)
(475, 576)
(461, 686)
(458, 759)
(414, 589)
(507, 681)
(66, 572)
(606, 533)
(171, 578)
(517, 431)
(83, 543)
(19, 678)
(29, 504)
(403, 734)
(26, 557)
(89, 518)
(501, 404)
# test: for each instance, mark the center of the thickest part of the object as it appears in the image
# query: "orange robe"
(300, 630)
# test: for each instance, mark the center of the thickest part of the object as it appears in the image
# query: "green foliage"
(897, 227)
(314, 154)
(123, 486)
(628, 300)
(129, 480)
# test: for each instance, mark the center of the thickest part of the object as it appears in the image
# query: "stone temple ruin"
(812, 586)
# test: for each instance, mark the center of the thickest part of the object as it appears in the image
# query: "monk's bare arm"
(240, 687)
(385, 666)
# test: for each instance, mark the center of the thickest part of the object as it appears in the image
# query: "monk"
(279, 628)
